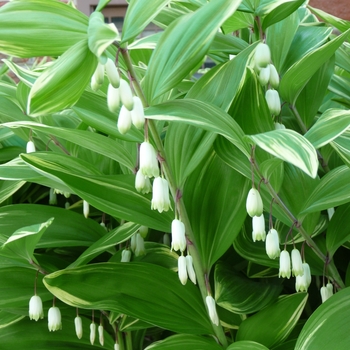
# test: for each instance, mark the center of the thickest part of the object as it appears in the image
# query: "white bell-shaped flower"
(274, 79)
(284, 265)
(212, 310)
(303, 282)
(262, 55)
(190, 270)
(273, 101)
(92, 332)
(160, 192)
(325, 293)
(272, 244)
(30, 148)
(140, 245)
(124, 120)
(297, 264)
(54, 319)
(99, 74)
(126, 255)
(112, 73)
(148, 160)
(178, 238)
(126, 96)
(259, 233)
(142, 183)
(101, 337)
(86, 208)
(182, 269)
(113, 98)
(254, 203)
(137, 113)
(36, 308)
(78, 327)
(264, 75)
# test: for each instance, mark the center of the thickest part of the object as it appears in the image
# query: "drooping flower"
(116, 346)
(148, 160)
(262, 55)
(279, 126)
(160, 198)
(140, 245)
(78, 327)
(190, 270)
(52, 197)
(264, 75)
(143, 230)
(126, 96)
(166, 239)
(124, 120)
(274, 78)
(273, 101)
(330, 288)
(36, 308)
(326, 292)
(101, 337)
(99, 74)
(259, 233)
(212, 310)
(86, 208)
(112, 73)
(284, 265)
(272, 244)
(137, 113)
(142, 183)
(182, 269)
(302, 283)
(133, 243)
(54, 319)
(126, 255)
(30, 147)
(297, 264)
(113, 98)
(254, 203)
(92, 332)
(178, 238)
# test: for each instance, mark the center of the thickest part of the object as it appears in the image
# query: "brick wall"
(338, 8)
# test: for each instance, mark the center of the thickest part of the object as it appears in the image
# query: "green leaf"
(138, 15)
(35, 28)
(61, 85)
(215, 227)
(183, 45)
(145, 291)
(69, 229)
(342, 146)
(7, 319)
(279, 37)
(294, 80)
(87, 139)
(101, 35)
(335, 236)
(311, 97)
(210, 86)
(327, 326)
(333, 190)
(277, 14)
(282, 317)
(22, 243)
(109, 240)
(185, 342)
(329, 126)
(289, 146)
(238, 20)
(340, 24)
(246, 345)
(200, 114)
(114, 195)
(8, 188)
(185, 147)
(239, 294)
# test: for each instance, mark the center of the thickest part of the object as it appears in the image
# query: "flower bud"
(284, 264)
(273, 101)
(148, 160)
(116, 346)
(254, 203)
(274, 78)
(94, 85)
(126, 255)
(113, 98)
(143, 230)
(279, 126)
(112, 73)
(30, 147)
(325, 293)
(329, 287)
(140, 245)
(101, 335)
(272, 244)
(264, 75)
(297, 264)
(182, 269)
(54, 319)
(36, 308)
(259, 233)
(160, 195)
(78, 327)
(92, 333)
(262, 55)
(86, 208)
(124, 120)
(190, 270)
(133, 243)
(126, 95)
(178, 238)
(137, 113)
(142, 183)
(52, 197)
(302, 283)
(212, 310)
(99, 74)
